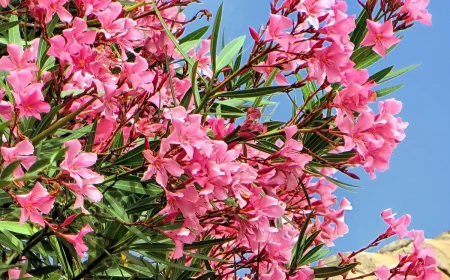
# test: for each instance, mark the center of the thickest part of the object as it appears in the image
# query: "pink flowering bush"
(135, 147)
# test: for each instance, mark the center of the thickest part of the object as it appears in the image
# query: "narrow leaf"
(215, 36)
(389, 90)
(229, 52)
(254, 92)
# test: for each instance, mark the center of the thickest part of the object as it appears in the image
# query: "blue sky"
(417, 182)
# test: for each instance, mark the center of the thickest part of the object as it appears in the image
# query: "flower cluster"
(123, 99)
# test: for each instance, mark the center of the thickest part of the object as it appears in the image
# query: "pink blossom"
(34, 203)
(381, 35)
(382, 273)
(4, 3)
(276, 30)
(111, 23)
(274, 273)
(14, 273)
(204, 60)
(416, 10)
(315, 9)
(76, 163)
(304, 273)
(267, 67)
(136, 73)
(160, 166)
(18, 59)
(398, 226)
(86, 190)
(270, 207)
(180, 237)
(55, 6)
(328, 62)
(190, 136)
(78, 35)
(21, 151)
(28, 95)
(354, 98)
(77, 240)
(92, 6)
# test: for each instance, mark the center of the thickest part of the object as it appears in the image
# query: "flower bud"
(254, 34)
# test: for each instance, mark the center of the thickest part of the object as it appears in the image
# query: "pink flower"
(33, 203)
(270, 207)
(92, 6)
(190, 135)
(204, 60)
(383, 273)
(22, 151)
(86, 190)
(28, 95)
(55, 6)
(381, 35)
(76, 163)
(161, 166)
(274, 273)
(18, 59)
(276, 30)
(136, 73)
(77, 240)
(77, 35)
(328, 61)
(112, 24)
(398, 226)
(416, 10)
(15, 274)
(4, 3)
(180, 237)
(267, 67)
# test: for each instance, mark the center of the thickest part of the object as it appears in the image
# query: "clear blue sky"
(418, 179)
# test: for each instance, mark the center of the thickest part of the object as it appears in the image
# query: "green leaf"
(7, 25)
(389, 90)
(4, 199)
(206, 243)
(60, 123)
(203, 257)
(9, 170)
(14, 32)
(372, 58)
(194, 87)
(381, 74)
(299, 248)
(25, 229)
(343, 185)
(253, 92)
(137, 187)
(133, 156)
(41, 271)
(60, 255)
(11, 241)
(4, 125)
(156, 258)
(397, 73)
(195, 35)
(215, 36)
(39, 165)
(229, 52)
(357, 34)
(189, 45)
(331, 271)
(91, 137)
(314, 255)
(46, 120)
